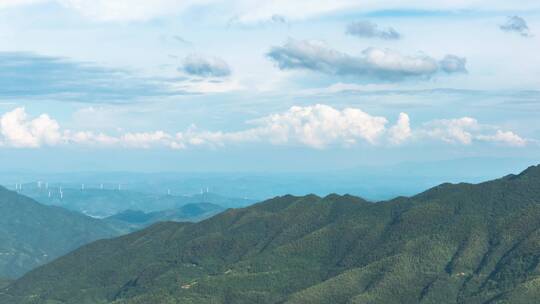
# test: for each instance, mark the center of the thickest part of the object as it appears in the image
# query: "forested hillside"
(32, 234)
(455, 243)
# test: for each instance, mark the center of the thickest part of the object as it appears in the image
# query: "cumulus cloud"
(89, 138)
(504, 137)
(467, 130)
(321, 125)
(372, 63)
(459, 130)
(317, 126)
(401, 131)
(19, 131)
(198, 65)
(368, 29)
(516, 24)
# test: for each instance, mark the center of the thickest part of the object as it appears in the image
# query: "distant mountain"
(32, 234)
(186, 213)
(455, 243)
(4, 283)
(103, 203)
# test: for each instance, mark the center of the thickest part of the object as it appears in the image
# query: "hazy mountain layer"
(459, 243)
(107, 202)
(374, 182)
(186, 213)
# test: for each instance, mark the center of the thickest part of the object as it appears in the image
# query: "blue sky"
(266, 85)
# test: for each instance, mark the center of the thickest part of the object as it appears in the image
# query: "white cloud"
(467, 130)
(457, 130)
(137, 140)
(505, 137)
(315, 126)
(146, 139)
(401, 131)
(208, 86)
(89, 138)
(195, 137)
(18, 131)
(318, 126)
(372, 63)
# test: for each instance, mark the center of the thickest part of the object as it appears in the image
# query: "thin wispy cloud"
(28, 75)
(368, 29)
(372, 64)
(254, 10)
(182, 40)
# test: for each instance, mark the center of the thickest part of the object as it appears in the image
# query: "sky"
(240, 85)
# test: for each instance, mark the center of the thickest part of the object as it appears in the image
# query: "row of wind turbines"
(45, 186)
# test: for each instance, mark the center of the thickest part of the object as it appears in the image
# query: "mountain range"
(454, 243)
(102, 203)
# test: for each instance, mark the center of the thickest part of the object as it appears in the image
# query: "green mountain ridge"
(454, 243)
(32, 234)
